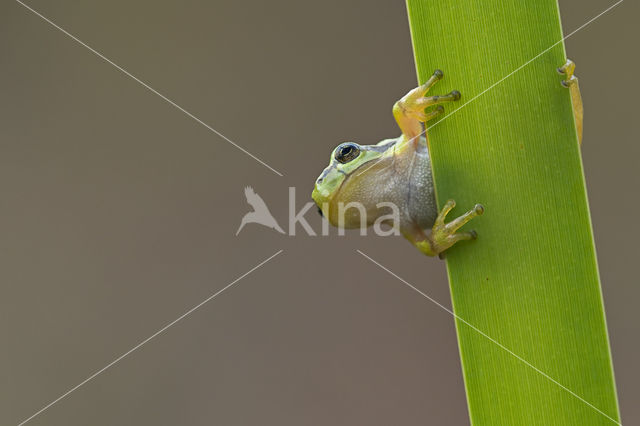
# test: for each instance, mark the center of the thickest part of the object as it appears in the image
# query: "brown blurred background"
(118, 214)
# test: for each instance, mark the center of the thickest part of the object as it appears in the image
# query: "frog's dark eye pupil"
(347, 152)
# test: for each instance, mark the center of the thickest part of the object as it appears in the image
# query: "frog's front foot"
(567, 69)
(444, 235)
(410, 111)
(571, 82)
(414, 103)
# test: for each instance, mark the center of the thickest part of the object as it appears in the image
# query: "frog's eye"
(347, 152)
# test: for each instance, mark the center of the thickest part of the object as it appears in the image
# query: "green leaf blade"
(530, 281)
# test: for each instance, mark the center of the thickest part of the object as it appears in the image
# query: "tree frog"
(398, 171)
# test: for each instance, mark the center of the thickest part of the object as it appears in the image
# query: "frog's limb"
(444, 235)
(571, 81)
(409, 111)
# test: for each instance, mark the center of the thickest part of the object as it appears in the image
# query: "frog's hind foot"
(571, 82)
(444, 235)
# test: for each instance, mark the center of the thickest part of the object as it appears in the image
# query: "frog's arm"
(409, 111)
(571, 81)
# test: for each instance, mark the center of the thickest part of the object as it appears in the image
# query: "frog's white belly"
(421, 208)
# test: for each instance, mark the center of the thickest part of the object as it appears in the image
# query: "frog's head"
(349, 171)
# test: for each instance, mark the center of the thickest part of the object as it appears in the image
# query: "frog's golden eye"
(347, 152)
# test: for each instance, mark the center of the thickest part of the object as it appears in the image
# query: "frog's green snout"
(315, 195)
(319, 197)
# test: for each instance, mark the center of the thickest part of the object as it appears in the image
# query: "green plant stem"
(530, 282)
